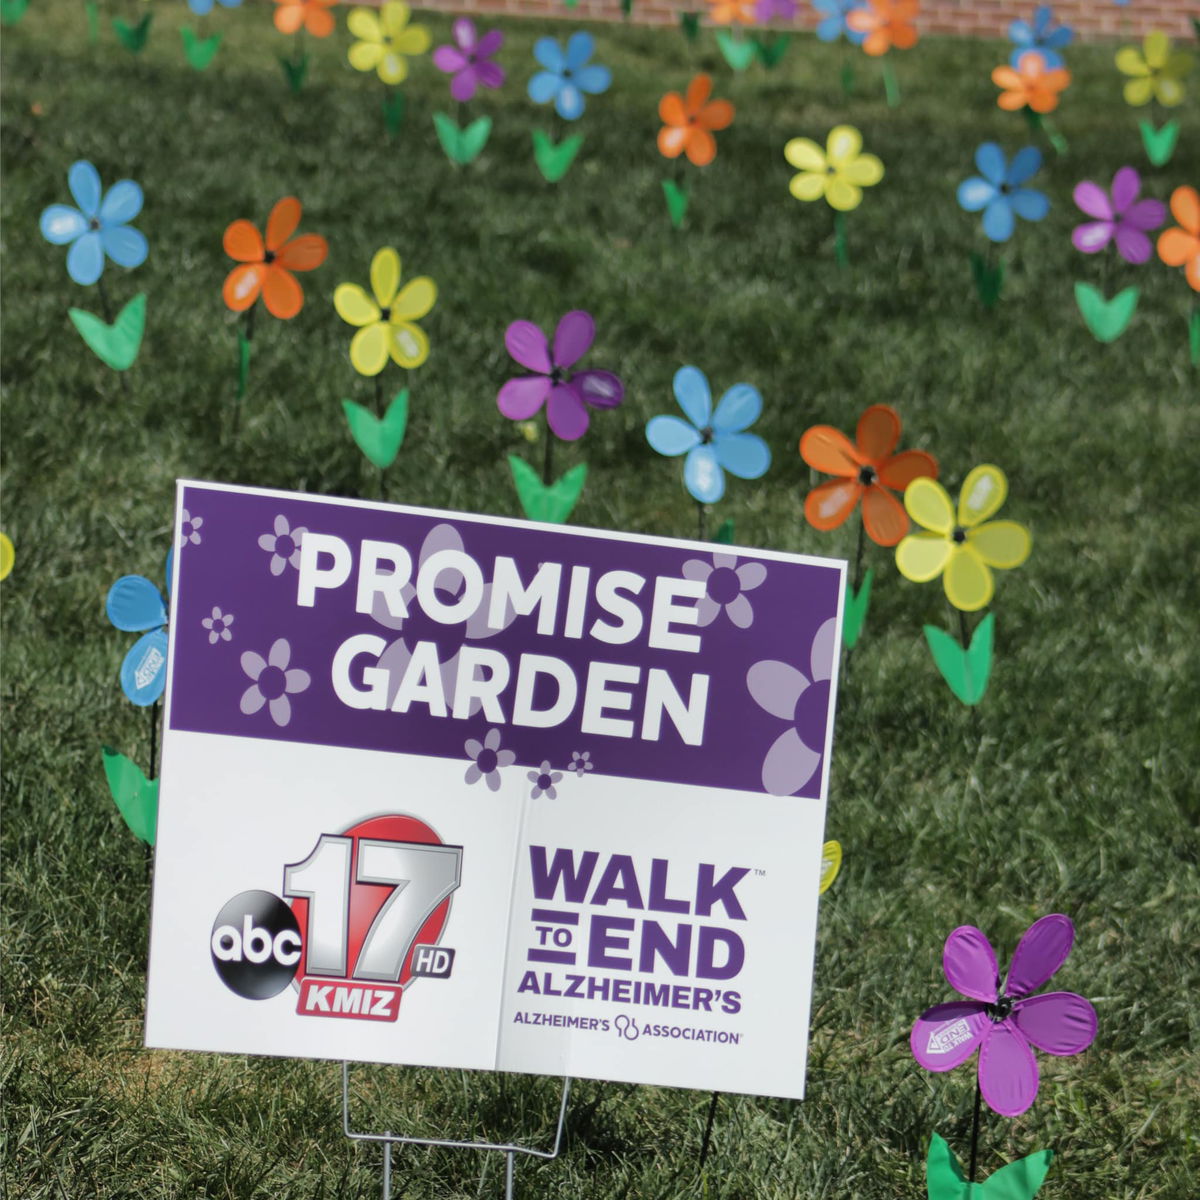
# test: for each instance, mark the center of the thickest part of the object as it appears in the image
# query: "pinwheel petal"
(1092, 199)
(243, 285)
(693, 394)
(983, 492)
(738, 409)
(864, 171)
(1001, 543)
(122, 203)
(243, 243)
(843, 145)
(929, 505)
(805, 155)
(573, 338)
(1025, 164)
(991, 163)
(520, 399)
(945, 1036)
(827, 506)
(549, 53)
(970, 964)
(1059, 1023)
(843, 196)
(61, 223)
(998, 220)
(1028, 204)
(599, 389)
(526, 343)
(877, 432)
(415, 300)
(702, 475)
(1092, 237)
(967, 580)
(543, 87)
(566, 414)
(364, 24)
(134, 604)
(923, 556)
(594, 79)
(282, 293)
(1185, 208)
(671, 436)
(125, 245)
(745, 455)
(808, 186)
(1133, 245)
(369, 349)
(85, 259)
(671, 110)
(144, 670)
(975, 193)
(408, 344)
(353, 304)
(283, 222)
(365, 56)
(827, 449)
(84, 181)
(1008, 1072)
(579, 49)
(901, 469)
(883, 516)
(1043, 948)
(569, 103)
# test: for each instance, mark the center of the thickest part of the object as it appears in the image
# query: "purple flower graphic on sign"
(283, 545)
(726, 584)
(543, 780)
(486, 759)
(801, 700)
(581, 762)
(189, 529)
(273, 682)
(218, 626)
(1003, 1025)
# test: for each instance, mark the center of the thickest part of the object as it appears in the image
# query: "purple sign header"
(375, 627)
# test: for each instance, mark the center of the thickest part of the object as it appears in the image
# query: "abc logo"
(256, 945)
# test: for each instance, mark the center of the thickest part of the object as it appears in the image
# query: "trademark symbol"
(758, 871)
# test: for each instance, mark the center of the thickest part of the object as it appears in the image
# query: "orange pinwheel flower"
(1179, 246)
(727, 12)
(866, 470)
(267, 268)
(313, 15)
(886, 23)
(1030, 84)
(688, 123)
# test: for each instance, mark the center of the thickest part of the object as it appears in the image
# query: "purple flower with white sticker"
(469, 60)
(273, 682)
(1003, 1025)
(486, 759)
(543, 780)
(803, 701)
(581, 762)
(218, 626)
(189, 529)
(567, 395)
(1119, 216)
(283, 545)
(726, 585)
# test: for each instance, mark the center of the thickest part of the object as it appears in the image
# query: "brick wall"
(1091, 19)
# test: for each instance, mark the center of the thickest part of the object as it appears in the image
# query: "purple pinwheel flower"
(470, 60)
(1043, 35)
(1003, 1025)
(566, 395)
(1119, 215)
(775, 10)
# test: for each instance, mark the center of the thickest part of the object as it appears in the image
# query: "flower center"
(269, 256)
(94, 223)
(866, 476)
(487, 761)
(566, 75)
(999, 1011)
(272, 682)
(723, 585)
(707, 435)
(1005, 188)
(559, 375)
(958, 535)
(385, 314)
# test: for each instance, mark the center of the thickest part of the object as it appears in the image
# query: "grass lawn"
(1073, 787)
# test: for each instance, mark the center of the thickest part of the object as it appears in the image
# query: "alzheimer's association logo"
(365, 912)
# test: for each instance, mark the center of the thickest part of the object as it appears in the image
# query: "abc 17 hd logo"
(360, 917)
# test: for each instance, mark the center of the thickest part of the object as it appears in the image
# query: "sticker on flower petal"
(135, 796)
(116, 345)
(144, 671)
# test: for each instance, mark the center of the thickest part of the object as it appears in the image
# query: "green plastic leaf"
(848, 79)
(770, 50)
(966, 671)
(1194, 336)
(725, 533)
(989, 280)
(134, 794)
(554, 161)
(1018, 1180)
(11, 11)
(542, 503)
(1159, 143)
(737, 53)
(116, 345)
(295, 71)
(1107, 319)
(133, 37)
(197, 50)
(380, 440)
(689, 22)
(462, 145)
(626, 8)
(394, 108)
(854, 611)
(944, 1179)
(243, 374)
(677, 201)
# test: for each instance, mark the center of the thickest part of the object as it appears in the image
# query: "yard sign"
(463, 791)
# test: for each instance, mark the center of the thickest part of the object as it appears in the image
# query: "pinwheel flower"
(884, 24)
(1179, 246)
(566, 395)
(766, 11)
(7, 555)
(1155, 73)
(267, 268)
(1043, 35)
(385, 41)
(834, 24)
(839, 172)
(962, 550)
(469, 60)
(1119, 216)
(203, 7)
(998, 192)
(567, 75)
(866, 469)
(99, 226)
(386, 324)
(732, 12)
(1004, 1025)
(1030, 84)
(135, 605)
(714, 442)
(313, 15)
(688, 122)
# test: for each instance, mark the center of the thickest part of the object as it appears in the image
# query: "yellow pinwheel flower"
(7, 555)
(839, 172)
(386, 40)
(962, 549)
(386, 323)
(1156, 72)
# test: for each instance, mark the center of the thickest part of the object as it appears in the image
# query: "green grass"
(1073, 789)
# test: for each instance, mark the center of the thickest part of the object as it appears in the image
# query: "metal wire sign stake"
(509, 1149)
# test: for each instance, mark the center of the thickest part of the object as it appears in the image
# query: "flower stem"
(702, 535)
(891, 85)
(858, 556)
(706, 1141)
(243, 369)
(975, 1129)
(840, 250)
(548, 458)
(153, 740)
(105, 304)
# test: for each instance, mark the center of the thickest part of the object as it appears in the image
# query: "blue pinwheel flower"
(135, 605)
(203, 7)
(833, 14)
(999, 192)
(99, 226)
(567, 75)
(714, 442)
(1043, 35)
